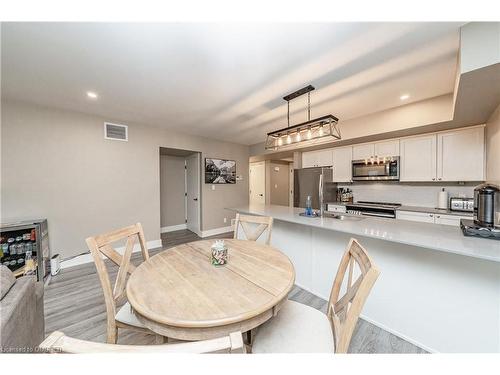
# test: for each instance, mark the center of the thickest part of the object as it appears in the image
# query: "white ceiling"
(226, 81)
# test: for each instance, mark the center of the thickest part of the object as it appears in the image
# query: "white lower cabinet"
(427, 217)
(422, 217)
(449, 219)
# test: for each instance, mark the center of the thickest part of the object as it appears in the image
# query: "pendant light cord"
(308, 107)
(288, 113)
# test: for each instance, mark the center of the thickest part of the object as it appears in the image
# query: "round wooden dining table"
(179, 294)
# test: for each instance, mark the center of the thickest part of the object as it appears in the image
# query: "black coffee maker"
(487, 206)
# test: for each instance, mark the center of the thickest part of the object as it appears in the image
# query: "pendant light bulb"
(309, 133)
(299, 138)
(288, 139)
(280, 141)
(321, 131)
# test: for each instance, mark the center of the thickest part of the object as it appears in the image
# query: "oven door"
(365, 170)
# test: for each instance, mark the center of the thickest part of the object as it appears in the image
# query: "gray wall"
(172, 189)
(57, 164)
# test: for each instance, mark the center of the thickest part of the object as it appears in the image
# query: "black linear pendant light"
(321, 127)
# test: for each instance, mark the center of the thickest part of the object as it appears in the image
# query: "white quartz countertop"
(429, 236)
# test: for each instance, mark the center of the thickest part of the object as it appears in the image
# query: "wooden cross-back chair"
(101, 245)
(344, 310)
(58, 342)
(299, 328)
(245, 221)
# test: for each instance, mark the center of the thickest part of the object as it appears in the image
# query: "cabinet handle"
(439, 178)
(431, 215)
(438, 216)
(433, 179)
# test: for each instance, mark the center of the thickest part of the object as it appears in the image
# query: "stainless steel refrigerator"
(316, 182)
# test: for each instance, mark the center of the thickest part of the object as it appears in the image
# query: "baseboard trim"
(87, 258)
(216, 231)
(173, 228)
(379, 325)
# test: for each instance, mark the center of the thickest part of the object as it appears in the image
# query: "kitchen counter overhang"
(436, 237)
(430, 275)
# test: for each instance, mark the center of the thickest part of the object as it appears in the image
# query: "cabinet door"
(324, 158)
(422, 217)
(365, 151)
(449, 219)
(309, 159)
(342, 164)
(418, 158)
(461, 155)
(387, 148)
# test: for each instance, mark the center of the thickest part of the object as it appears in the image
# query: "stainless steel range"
(379, 209)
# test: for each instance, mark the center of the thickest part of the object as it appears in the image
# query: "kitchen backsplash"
(416, 194)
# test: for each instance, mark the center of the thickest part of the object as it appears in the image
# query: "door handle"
(195, 199)
(261, 195)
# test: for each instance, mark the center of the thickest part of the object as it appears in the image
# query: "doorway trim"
(198, 157)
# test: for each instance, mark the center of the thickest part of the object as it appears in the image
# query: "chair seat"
(126, 316)
(297, 328)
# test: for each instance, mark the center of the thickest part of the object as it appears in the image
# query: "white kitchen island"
(437, 289)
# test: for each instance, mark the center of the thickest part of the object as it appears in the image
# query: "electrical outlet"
(225, 220)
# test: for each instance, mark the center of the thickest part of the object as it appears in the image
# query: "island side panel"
(440, 301)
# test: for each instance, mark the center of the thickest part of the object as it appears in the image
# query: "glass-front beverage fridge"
(24, 247)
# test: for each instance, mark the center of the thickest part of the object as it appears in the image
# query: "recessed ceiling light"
(91, 95)
(404, 97)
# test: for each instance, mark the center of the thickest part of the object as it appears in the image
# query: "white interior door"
(193, 193)
(257, 183)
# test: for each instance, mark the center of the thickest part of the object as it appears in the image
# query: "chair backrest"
(245, 221)
(101, 244)
(57, 342)
(343, 310)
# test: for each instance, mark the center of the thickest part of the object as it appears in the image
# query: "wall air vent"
(115, 132)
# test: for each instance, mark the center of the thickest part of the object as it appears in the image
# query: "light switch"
(213, 187)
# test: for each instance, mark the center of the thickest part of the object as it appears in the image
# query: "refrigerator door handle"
(321, 194)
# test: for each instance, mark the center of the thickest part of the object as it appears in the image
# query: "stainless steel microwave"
(373, 169)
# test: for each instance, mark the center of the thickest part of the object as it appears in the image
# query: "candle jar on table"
(219, 253)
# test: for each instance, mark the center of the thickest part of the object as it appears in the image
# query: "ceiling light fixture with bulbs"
(321, 127)
(91, 95)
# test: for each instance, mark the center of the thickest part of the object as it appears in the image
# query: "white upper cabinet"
(460, 155)
(387, 148)
(342, 164)
(371, 150)
(364, 151)
(418, 158)
(320, 158)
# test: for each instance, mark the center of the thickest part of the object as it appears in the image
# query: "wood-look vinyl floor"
(74, 304)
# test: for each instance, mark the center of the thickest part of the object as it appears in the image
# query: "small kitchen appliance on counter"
(462, 204)
(486, 221)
